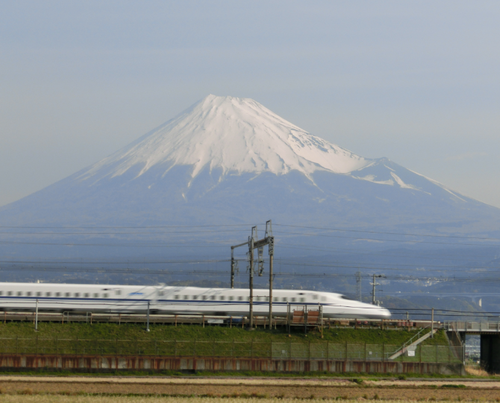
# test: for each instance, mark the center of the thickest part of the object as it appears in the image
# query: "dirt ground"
(256, 387)
(155, 399)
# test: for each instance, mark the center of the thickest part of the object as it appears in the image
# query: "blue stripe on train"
(177, 301)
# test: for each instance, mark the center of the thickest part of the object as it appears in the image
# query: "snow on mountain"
(234, 134)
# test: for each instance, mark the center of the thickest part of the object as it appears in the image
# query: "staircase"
(411, 345)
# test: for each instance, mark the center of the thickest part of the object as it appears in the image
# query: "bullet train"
(177, 300)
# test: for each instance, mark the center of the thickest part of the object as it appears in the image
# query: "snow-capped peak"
(235, 134)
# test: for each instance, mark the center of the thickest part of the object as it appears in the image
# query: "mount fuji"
(230, 160)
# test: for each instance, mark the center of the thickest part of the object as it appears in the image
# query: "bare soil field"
(243, 388)
(152, 399)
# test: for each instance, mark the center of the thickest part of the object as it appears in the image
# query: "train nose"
(385, 313)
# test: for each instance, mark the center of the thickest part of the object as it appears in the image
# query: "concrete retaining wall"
(112, 363)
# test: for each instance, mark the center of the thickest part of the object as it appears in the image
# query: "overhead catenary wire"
(245, 226)
(388, 232)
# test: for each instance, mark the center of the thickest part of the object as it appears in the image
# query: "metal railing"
(461, 326)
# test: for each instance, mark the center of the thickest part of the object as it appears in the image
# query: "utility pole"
(374, 284)
(358, 286)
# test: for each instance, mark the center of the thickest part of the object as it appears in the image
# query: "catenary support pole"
(36, 316)
(374, 284)
(251, 247)
(432, 323)
(373, 290)
(271, 290)
(232, 266)
(255, 243)
(233, 261)
(270, 246)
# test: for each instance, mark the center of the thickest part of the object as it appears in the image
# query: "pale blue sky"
(417, 82)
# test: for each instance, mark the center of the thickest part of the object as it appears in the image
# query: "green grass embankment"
(195, 340)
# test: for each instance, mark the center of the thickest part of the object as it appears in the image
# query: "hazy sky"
(417, 82)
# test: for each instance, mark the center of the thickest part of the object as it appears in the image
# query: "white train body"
(176, 300)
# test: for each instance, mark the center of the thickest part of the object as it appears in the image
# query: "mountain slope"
(229, 160)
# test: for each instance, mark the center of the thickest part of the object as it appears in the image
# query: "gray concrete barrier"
(79, 363)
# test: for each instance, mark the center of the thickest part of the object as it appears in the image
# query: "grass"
(195, 340)
(209, 333)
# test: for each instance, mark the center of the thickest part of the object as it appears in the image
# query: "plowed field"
(244, 388)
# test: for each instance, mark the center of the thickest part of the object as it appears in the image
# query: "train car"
(176, 300)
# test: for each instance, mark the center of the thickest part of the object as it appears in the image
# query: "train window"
(222, 298)
(248, 298)
(195, 296)
(28, 293)
(19, 293)
(58, 294)
(240, 298)
(186, 297)
(276, 299)
(315, 296)
(176, 296)
(231, 298)
(212, 297)
(96, 295)
(105, 295)
(87, 295)
(204, 297)
(48, 294)
(267, 299)
(1, 292)
(67, 294)
(285, 299)
(119, 292)
(293, 299)
(77, 294)
(161, 293)
(258, 298)
(38, 294)
(9, 293)
(302, 300)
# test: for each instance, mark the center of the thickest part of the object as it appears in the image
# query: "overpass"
(490, 340)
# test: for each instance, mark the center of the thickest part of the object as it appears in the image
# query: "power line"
(128, 245)
(383, 240)
(116, 233)
(245, 226)
(126, 227)
(388, 233)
